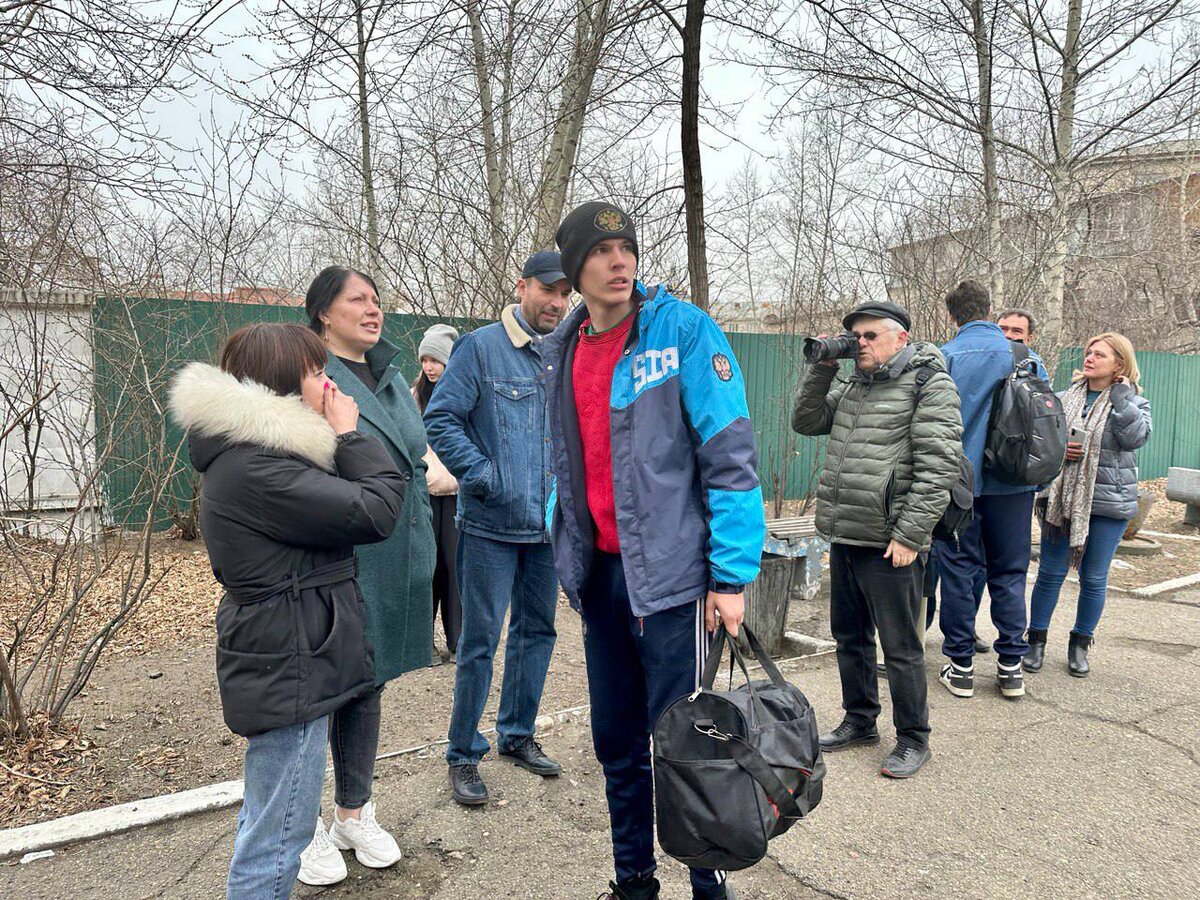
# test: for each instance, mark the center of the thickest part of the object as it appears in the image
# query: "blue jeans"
(636, 668)
(492, 575)
(995, 544)
(284, 769)
(1103, 536)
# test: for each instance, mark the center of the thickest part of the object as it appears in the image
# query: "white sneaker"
(321, 863)
(372, 846)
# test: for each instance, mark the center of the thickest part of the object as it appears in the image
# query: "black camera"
(840, 346)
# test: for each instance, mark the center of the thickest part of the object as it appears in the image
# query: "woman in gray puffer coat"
(1085, 510)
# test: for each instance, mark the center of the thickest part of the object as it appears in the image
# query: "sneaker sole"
(887, 773)
(1013, 693)
(469, 801)
(365, 857)
(957, 691)
(376, 862)
(322, 880)
(857, 742)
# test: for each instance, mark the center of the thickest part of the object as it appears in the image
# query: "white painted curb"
(112, 820)
(115, 819)
(1171, 535)
(1153, 590)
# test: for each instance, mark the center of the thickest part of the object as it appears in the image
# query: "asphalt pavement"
(1084, 788)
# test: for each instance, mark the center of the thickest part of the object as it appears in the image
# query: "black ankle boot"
(1077, 661)
(644, 887)
(1036, 638)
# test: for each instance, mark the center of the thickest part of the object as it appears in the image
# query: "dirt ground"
(1085, 789)
(149, 722)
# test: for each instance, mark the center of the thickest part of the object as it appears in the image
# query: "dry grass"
(51, 772)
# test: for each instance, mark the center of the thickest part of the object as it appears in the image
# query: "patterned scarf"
(1066, 505)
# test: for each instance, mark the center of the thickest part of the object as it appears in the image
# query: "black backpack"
(960, 511)
(1027, 429)
(733, 769)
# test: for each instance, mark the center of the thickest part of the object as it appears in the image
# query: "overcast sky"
(734, 88)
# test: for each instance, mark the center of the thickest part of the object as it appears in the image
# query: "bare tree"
(75, 78)
(592, 25)
(1092, 105)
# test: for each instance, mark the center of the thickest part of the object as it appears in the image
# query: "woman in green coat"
(395, 576)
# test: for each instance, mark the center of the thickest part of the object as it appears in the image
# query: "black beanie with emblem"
(587, 225)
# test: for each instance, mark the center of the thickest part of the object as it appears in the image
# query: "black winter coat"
(282, 505)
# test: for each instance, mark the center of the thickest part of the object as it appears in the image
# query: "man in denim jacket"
(995, 546)
(487, 422)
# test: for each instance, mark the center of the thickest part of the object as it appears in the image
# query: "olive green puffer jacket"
(891, 460)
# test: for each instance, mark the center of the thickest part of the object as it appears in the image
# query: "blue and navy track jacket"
(688, 500)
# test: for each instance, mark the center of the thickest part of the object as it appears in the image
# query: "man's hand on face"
(899, 554)
(731, 608)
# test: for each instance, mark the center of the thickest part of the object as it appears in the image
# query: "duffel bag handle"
(716, 650)
(764, 658)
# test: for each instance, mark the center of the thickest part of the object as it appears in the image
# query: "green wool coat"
(891, 461)
(396, 575)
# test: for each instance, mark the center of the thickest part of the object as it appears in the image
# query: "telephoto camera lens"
(840, 346)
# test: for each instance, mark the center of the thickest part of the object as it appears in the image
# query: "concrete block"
(1183, 485)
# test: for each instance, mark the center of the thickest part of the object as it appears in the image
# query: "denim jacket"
(979, 357)
(488, 424)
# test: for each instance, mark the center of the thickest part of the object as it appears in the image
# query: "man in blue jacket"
(487, 422)
(659, 520)
(995, 546)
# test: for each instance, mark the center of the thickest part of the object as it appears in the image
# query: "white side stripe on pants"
(701, 651)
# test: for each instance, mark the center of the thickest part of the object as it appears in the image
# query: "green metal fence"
(139, 344)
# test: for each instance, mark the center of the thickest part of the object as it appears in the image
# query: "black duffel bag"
(733, 769)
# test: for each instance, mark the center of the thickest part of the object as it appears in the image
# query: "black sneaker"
(467, 786)
(1011, 680)
(904, 761)
(849, 734)
(981, 646)
(958, 681)
(645, 887)
(528, 754)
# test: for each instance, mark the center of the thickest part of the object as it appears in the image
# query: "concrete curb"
(1171, 535)
(1175, 584)
(98, 823)
(112, 820)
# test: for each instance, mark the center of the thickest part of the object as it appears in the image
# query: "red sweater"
(592, 373)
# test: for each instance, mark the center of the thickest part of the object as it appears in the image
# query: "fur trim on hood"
(211, 403)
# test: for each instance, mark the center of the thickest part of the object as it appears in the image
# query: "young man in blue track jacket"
(659, 520)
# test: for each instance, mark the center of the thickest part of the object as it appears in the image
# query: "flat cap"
(878, 309)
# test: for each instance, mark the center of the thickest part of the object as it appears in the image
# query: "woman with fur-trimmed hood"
(290, 487)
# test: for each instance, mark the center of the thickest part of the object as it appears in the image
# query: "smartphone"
(1075, 435)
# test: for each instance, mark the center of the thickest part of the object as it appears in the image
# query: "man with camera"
(892, 458)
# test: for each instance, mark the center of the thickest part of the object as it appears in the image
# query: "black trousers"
(445, 572)
(868, 593)
(354, 742)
